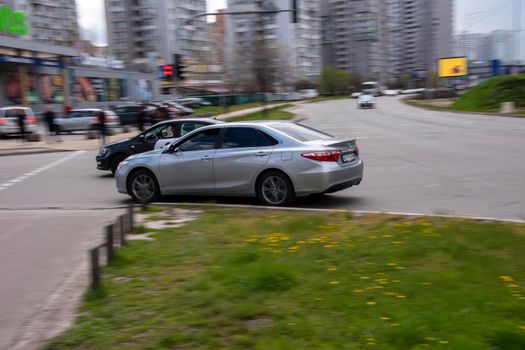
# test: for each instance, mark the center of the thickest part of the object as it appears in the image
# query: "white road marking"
(39, 170)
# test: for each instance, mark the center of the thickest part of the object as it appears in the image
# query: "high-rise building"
(427, 33)
(381, 39)
(289, 51)
(483, 47)
(51, 22)
(151, 32)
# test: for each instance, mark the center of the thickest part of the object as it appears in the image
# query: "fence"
(114, 233)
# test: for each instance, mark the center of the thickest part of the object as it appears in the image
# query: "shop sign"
(34, 61)
(105, 62)
(13, 22)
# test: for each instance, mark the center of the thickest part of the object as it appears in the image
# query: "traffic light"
(178, 67)
(166, 72)
(295, 11)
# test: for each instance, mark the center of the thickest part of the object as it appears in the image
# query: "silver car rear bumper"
(327, 178)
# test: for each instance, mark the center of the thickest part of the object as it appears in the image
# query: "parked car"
(391, 92)
(85, 119)
(273, 160)
(9, 120)
(177, 108)
(355, 94)
(366, 100)
(128, 114)
(193, 102)
(111, 155)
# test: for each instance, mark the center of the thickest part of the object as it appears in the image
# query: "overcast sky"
(471, 15)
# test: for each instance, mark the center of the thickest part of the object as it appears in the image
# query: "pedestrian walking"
(101, 119)
(141, 118)
(49, 117)
(21, 118)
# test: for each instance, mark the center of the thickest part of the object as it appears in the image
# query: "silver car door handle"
(206, 157)
(261, 154)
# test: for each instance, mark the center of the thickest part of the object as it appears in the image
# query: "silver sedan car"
(273, 160)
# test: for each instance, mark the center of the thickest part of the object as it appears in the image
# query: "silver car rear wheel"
(275, 189)
(143, 187)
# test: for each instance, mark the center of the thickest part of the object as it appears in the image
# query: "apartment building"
(150, 32)
(293, 50)
(53, 22)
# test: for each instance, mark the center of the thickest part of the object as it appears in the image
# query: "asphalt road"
(53, 206)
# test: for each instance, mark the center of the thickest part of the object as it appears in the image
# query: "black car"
(112, 154)
(129, 114)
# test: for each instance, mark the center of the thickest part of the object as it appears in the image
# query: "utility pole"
(429, 44)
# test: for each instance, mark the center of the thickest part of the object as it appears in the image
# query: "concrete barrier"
(507, 107)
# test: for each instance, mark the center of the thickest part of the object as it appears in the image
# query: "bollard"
(109, 243)
(122, 231)
(130, 217)
(95, 269)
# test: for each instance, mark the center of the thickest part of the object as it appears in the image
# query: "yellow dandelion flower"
(334, 282)
(386, 236)
(332, 269)
(216, 267)
(400, 296)
(522, 327)
(384, 318)
(513, 286)
(506, 279)
(371, 303)
(400, 268)
(391, 264)
(396, 242)
(394, 324)
(358, 291)
(443, 342)
(318, 299)
(364, 277)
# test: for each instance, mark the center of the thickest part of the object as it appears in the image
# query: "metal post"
(122, 231)
(109, 243)
(95, 269)
(130, 216)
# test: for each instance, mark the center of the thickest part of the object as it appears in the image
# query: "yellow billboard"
(453, 67)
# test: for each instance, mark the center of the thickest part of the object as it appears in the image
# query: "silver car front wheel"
(143, 187)
(275, 189)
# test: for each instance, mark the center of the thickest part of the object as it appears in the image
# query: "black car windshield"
(301, 132)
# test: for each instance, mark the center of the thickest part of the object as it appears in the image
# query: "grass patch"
(151, 209)
(139, 229)
(234, 108)
(488, 96)
(246, 279)
(276, 113)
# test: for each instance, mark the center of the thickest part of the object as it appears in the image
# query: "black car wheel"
(274, 188)
(113, 165)
(143, 187)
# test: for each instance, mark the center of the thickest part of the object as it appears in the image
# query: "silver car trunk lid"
(341, 144)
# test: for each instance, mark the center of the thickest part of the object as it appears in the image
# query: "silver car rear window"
(301, 132)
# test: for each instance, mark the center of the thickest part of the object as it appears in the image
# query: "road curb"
(437, 109)
(364, 212)
(28, 151)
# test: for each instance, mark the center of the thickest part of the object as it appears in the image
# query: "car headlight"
(103, 151)
(121, 164)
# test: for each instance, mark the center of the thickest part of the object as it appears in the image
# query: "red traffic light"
(167, 70)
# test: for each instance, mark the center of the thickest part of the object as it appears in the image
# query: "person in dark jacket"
(141, 118)
(102, 128)
(21, 118)
(49, 117)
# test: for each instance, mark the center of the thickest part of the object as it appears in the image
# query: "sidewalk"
(15, 148)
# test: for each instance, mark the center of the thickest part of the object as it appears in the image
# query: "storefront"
(38, 75)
